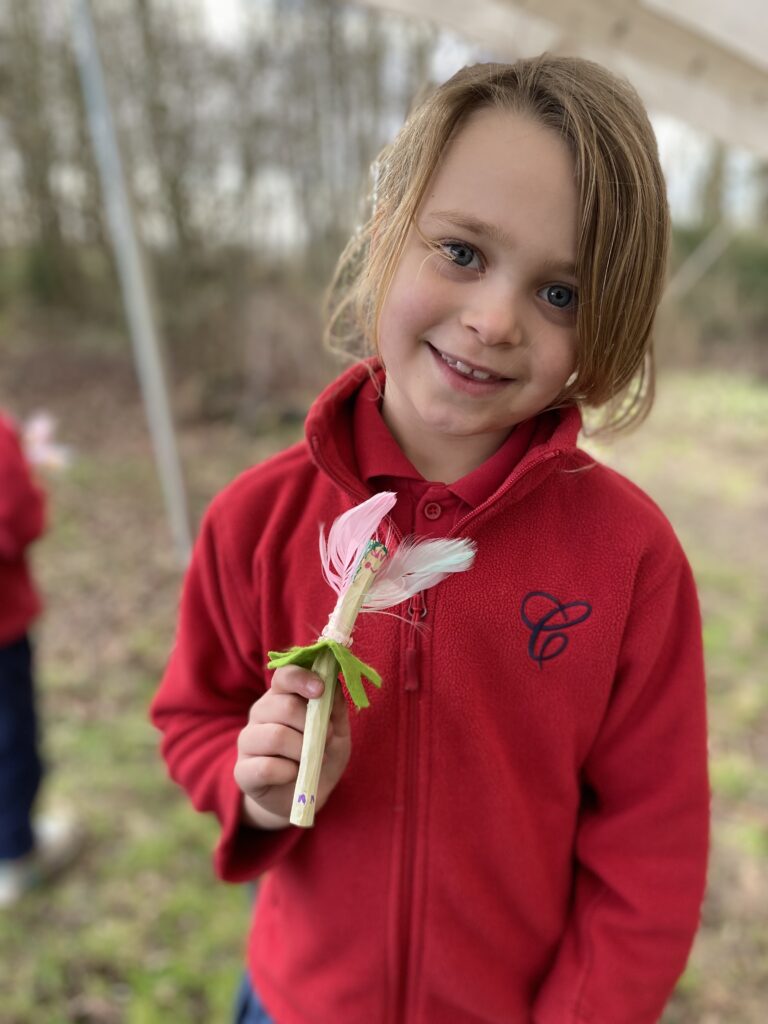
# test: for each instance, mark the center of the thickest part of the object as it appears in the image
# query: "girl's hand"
(269, 747)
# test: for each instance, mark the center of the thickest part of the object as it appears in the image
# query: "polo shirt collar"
(378, 454)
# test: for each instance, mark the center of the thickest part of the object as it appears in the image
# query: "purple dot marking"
(303, 799)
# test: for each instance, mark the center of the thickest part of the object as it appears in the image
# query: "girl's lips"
(461, 382)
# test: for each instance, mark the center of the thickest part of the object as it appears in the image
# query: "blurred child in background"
(31, 850)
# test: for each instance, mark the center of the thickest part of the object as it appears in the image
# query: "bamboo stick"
(340, 626)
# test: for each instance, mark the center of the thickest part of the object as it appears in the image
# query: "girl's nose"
(493, 315)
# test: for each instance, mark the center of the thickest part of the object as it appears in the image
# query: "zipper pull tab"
(417, 610)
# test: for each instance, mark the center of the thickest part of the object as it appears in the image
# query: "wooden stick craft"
(359, 568)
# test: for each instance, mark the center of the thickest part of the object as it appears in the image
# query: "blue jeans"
(20, 765)
(248, 1008)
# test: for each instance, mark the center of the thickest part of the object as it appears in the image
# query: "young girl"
(516, 831)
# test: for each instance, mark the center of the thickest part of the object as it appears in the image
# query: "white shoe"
(58, 841)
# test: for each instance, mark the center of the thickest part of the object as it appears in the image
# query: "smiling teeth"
(467, 371)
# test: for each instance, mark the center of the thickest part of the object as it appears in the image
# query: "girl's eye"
(460, 253)
(559, 295)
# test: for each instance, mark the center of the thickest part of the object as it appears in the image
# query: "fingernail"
(314, 688)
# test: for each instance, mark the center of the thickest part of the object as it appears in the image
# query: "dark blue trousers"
(248, 1008)
(20, 764)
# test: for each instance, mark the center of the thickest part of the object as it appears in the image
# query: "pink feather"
(348, 537)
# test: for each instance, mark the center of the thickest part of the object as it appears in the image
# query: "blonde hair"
(623, 235)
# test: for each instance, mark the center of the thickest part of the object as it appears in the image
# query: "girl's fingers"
(293, 679)
(271, 739)
(282, 708)
(255, 775)
(269, 747)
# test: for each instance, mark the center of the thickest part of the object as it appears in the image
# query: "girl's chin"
(437, 417)
(453, 427)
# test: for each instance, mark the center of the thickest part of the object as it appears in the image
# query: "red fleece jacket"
(520, 836)
(22, 520)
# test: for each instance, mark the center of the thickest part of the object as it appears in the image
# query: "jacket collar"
(329, 434)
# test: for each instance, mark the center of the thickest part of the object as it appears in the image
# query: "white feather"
(348, 537)
(415, 566)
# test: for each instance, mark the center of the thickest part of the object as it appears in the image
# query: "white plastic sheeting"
(703, 61)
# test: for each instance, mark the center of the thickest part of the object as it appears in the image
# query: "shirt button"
(432, 510)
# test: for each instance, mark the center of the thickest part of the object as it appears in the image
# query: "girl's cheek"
(403, 310)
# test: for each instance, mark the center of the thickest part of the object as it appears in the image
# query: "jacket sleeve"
(641, 845)
(22, 500)
(213, 676)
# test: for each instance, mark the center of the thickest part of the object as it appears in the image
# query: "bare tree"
(166, 72)
(25, 110)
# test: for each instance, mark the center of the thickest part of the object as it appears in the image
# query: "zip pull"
(417, 610)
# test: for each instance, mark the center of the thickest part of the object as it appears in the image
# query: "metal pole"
(133, 278)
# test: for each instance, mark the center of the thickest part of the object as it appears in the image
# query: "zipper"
(417, 611)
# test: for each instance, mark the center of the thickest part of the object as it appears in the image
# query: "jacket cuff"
(244, 852)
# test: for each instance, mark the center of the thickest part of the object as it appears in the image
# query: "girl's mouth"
(472, 375)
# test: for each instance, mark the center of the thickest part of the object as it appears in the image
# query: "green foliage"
(44, 277)
(735, 775)
(730, 303)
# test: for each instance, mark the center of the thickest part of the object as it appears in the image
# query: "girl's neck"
(444, 459)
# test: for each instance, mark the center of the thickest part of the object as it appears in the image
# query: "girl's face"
(481, 334)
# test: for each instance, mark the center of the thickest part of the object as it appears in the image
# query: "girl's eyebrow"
(467, 222)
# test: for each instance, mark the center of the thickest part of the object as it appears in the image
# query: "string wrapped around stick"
(360, 570)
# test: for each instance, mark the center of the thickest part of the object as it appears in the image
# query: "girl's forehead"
(500, 146)
(505, 169)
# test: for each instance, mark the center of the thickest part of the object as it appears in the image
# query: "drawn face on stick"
(478, 330)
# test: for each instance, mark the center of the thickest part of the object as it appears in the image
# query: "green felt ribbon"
(352, 669)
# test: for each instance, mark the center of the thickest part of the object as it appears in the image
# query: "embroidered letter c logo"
(548, 619)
